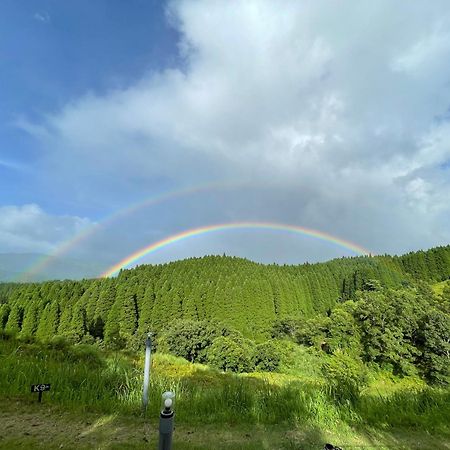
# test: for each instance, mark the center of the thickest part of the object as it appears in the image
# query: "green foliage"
(286, 327)
(267, 356)
(128, 314)
(85, 379)
(228, 355)
(4, 314)
(345, 375)
(444, 299)
(371, 307)
(343, 332)
(191, 339)
(113, 338)
(15, 319)
(406, 330)
(313, 332)
(78, 326)
(434, 341)
(388, 323)
(30, 320)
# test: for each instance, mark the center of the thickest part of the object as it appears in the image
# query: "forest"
(239, 315)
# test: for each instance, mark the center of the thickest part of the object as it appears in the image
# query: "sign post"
(40, 388)
(148, 350)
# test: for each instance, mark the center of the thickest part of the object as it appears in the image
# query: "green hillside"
(354, 351)
(244, 295)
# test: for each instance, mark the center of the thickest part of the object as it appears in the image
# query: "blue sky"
(53, 52)
(329, 118)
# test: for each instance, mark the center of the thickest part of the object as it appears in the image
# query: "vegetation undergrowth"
(86, 378)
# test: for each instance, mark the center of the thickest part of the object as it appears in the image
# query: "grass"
(42, 426)
(285, 409)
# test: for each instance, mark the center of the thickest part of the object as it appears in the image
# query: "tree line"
(244, 296)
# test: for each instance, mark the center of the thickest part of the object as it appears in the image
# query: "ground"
(25, 424)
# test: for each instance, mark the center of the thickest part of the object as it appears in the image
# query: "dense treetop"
(244, 295)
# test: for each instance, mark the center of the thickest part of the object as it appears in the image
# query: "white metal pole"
(148, 349)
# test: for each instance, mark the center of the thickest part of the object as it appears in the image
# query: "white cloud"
(28, 228)
(425, 55)
(335, 103)
(42, 16)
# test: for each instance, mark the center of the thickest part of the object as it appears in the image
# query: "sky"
(330, 116)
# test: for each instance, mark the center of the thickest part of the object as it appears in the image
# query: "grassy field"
(26, 424)
(95, 402)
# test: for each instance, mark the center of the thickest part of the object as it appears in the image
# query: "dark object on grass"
(331, 447)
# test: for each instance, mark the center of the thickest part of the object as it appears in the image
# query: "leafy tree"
(145, 315)
(228, 355)
(78, 326)
(128, 315)
(191, 339)
(434, 341)
(343, 332)
(313, 332)
(445, 299)
(388, 322)
(267, 356)
(286, 327)
(65, 320)
(113, 338)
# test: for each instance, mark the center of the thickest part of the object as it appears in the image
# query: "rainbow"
(86, 232)
(232, 226)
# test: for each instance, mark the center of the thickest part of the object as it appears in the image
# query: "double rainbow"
(41, 263)
(134, 257)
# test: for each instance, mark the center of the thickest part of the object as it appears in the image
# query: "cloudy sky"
(331, 116)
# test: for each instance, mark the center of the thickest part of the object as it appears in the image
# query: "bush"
(191, 339)
(228, 355)
(345, 375)
(268, 356)
(286, 328)
(313, 332)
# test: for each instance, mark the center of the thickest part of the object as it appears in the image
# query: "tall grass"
(82, 377)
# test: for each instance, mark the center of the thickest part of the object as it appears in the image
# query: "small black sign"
(40, 387)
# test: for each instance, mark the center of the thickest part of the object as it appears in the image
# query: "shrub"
(345, 375)
(268, 356)
(228, 355)
(191, 339)
(286, 327)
